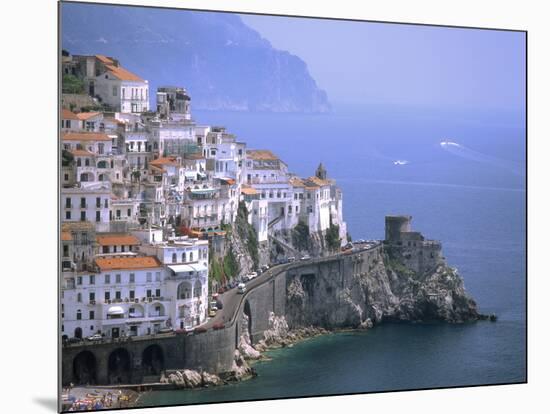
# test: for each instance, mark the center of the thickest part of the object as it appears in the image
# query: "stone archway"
(119, 367)
(152, 360)
(85, 368)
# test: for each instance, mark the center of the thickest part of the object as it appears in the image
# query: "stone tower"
(321, 172)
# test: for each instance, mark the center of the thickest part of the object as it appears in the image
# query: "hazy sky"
(404, 64)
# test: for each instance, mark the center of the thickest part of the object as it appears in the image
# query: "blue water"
(471, 197)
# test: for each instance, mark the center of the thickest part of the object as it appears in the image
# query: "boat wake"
(472, 155)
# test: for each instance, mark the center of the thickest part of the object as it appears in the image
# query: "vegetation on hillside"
(300, 236)
(72, 84)
(332, 236)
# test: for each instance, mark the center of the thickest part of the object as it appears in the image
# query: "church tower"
(321, 172)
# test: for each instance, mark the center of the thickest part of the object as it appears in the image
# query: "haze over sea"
(471, 196)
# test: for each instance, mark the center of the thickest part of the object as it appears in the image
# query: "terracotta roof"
(248, 190)
(194, 156)
(66, 236)
(77, 226)
(117, 239)
(66, 114)
(317, 181)
(157, 168)
(164, 161)
(85, 136)
(122, 73)
(132, 262)
(81, 153)
(296, 182)
(104, 59)
(264, 155)
(228, 181)
(87, 115)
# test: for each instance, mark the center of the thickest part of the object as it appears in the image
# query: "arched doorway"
(119, 367)
(84, 368)
(78, 333)
(152, 360)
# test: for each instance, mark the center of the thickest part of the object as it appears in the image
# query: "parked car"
(291, 259)
(306, 257)
(219, 304)
(74, 340)
(245, 278)
(265, 267)
(211, 313)
(95, 337)
(241, 287)
(252, 275)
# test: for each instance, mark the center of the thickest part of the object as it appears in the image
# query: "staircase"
(284, 245)
(275, 221)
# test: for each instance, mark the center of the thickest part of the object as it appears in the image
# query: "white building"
(186, 261)
(87, 202)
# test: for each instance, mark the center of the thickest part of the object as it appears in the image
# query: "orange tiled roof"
(85, 136)
(81, 153)
(164, 161)
(132, 262)
(117, 239)
(87, 115)
(296, 182)
(317, 181)
(263, 155)
(66, 236)
(248, 190)
(104, 59)
(66, 114)
(122, 73)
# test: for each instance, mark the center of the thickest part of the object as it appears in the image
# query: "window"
(183, 257)
(114, 90)
(79, 297)
(132, 294)
(107, 279)
(132, 278)
(92, 296)
(174, 258)
(82, 216)
(78, 162)
(82, 202)
(117, 294)
(157, 293)
(78, 315)
(129, 212)
(100, 148)
(117, 278)
(149, 277)
(67, 215)
(157, 276)
(107, 202)
(114, 249)
(118, 214)
(98, 216)
(79, 280)
(87, 162)
(107, 296)
(191, 256)
(148, 293)
(65, 250)
(92, 280)
(68, 202)
(92, 315)
(98, 202)
(66, 177)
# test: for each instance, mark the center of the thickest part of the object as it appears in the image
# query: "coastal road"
(231, 300)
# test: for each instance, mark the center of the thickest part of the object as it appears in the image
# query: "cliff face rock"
(223, 63)
(377, 288)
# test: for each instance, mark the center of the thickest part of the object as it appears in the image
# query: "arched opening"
(248, 313)
(197, 290)
(102, 164)
(84, 368)
(119, 367)
(152, 360)
(78, 332)
(102, 177)
(184, 290)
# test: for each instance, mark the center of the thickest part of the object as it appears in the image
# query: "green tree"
(72, 84)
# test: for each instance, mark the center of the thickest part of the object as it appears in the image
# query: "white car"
(241, 287)
(252, 275)
(95, 337)
(306, 257)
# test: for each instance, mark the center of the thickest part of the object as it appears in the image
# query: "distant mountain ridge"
(224, 64)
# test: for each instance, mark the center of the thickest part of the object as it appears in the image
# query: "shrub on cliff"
(300, 236)
(332, 236)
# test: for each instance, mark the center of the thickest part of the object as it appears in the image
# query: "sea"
(461, 174)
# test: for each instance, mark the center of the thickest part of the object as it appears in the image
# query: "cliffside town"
(159, 211)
